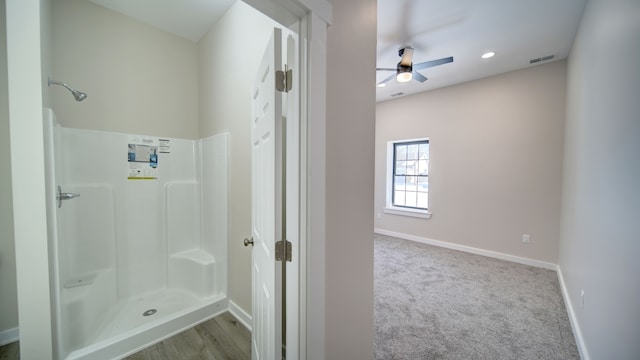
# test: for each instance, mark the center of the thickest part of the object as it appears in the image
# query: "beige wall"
(8, 298)
(349, 180)
(229, 56)
(599, 243)
(495, 161)
(46, 48)
(138, 79)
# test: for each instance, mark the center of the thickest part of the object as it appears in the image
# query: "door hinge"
(284, 79)
(283, 250)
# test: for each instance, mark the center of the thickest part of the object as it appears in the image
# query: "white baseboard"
(469, 249)
(582, 348)
(8, 336)
(240, 314)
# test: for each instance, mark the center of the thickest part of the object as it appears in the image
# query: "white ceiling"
(190, 19)
(516, 30)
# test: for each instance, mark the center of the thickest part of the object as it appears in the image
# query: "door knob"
(248, 241)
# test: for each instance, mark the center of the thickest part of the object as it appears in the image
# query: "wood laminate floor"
(10, 351)
(220, 338)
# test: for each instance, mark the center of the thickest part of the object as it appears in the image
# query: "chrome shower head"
(78, 95)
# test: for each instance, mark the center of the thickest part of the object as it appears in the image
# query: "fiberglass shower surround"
(136, 258)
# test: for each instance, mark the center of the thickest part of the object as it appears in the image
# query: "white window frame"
(389, 207)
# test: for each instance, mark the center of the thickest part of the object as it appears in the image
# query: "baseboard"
(8, 336)
(582, 348)
(240, 314)
(469, 249)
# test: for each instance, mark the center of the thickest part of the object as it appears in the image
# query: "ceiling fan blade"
(432, 63)
(386, 69)
(417, 76)
(387, 79)
(407, 56)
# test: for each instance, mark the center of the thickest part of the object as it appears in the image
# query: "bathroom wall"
(229, 55)
(8, 298)
(139, 79)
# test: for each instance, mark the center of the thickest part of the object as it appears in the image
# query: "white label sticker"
(143, 158)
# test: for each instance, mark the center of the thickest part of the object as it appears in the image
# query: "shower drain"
(149, 312)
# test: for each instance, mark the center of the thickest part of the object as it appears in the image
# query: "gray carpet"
(435, 303)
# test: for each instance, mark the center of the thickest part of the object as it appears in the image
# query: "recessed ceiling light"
(382, 85)
(488, 55)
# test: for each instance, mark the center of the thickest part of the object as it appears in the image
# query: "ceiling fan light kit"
(404, 73)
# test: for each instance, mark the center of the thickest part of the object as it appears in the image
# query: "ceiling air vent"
(397, 94)
(542, 59)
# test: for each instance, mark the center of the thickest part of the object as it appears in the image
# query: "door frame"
(312, 17)
(26, 27)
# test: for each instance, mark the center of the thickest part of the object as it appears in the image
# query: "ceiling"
(190, 19)
(516, 30)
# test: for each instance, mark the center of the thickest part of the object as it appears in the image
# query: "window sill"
(424, 214)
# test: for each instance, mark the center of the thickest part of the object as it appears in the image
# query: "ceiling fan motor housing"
(401, 51)
(404, 68)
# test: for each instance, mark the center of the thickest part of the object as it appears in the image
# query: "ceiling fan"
(406, 70)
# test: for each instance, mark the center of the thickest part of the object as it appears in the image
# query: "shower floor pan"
(148, 319)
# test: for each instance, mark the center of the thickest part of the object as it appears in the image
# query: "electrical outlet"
(526, 238)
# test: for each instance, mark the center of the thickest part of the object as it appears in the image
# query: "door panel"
(266, 205)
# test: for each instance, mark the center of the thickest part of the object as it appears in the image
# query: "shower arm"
(78, 95)
(60, 83)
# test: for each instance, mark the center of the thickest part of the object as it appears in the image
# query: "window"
(408, 177)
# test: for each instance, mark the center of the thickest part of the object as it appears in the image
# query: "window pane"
(412, 152)
(423, 166)
(423, 200)
(398, 183)
(401, 168)
(411, 198)
(401, 152)
(412, 183)
(424, 151)
(423, 183)
(411, 168)
(399, 198)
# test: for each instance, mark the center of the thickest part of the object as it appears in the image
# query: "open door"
(266, 205)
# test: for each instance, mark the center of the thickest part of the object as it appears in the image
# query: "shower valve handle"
(248, 241)
(64, 196)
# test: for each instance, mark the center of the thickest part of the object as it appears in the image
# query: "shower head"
(79, 95)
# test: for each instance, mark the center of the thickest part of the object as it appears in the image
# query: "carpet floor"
(436, 303)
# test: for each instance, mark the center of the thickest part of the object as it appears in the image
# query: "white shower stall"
(135, 258)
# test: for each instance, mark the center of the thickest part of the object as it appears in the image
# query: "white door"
(266, 205)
